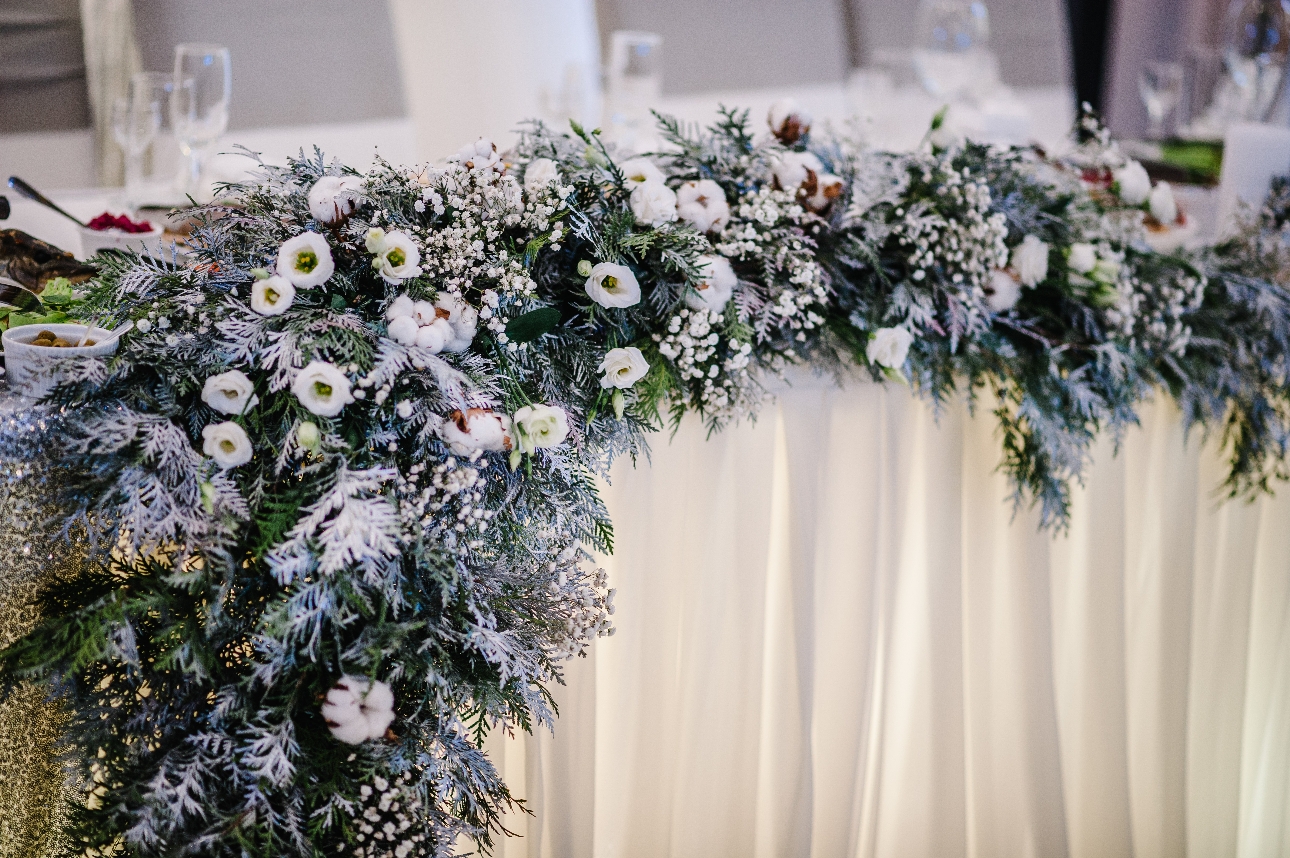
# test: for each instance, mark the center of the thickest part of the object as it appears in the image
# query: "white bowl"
(33, 370)
(94, 240)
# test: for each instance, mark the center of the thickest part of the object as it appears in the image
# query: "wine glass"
(203, 85)
(160, 176)
(135, 121)
(1160, 85)
(634, 81)
(952, 55)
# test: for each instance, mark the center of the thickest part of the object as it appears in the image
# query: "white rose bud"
(229, 392)
(476, 429)
(306, 260)
(714, 291)
(309, 436)
(613, 285)
(540, 427)
(227, 444)
(1030, 259)
(889, 347)
(1134, 183)
(623, 367)
(322, 388)
(653, 203)
(638, 171)
(703, 205)
(1163, 206)
(1003, 292)
(539, 173)
(1083, 258)
(332, 199)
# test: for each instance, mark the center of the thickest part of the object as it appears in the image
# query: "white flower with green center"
(623, 367)
(227, 443)
(229, 392)
(306, 260)
(397, 256)
(540, 427)
(322, 388)
(638, 171)
(613, 285)
(272, 296)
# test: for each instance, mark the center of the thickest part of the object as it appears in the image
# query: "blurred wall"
(42, 67)
(294, 63)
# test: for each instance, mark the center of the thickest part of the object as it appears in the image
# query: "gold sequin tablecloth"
(32, 789)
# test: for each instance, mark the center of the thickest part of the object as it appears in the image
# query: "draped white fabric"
(835, 640)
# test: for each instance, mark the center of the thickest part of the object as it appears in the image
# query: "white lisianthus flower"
(227, 444)
(788, 122)
(356, 710)
(1164, 207)
(306, 260)
(794, 169)
(539, 173)
(703, 205)
(322, 388)
(540, 427)
(397, 256)
(714, 291)
(400, 306)
(229, 392)
(1030, 259)
(653, 203)
(1133, 183)
(476, 429)
(638, 171)
(332, 199)
(613, 285)
(1083, 258)
(403, 330)
(623, 367)
(1003, 293)
(889, 347)
(272, 296)
(463, 319)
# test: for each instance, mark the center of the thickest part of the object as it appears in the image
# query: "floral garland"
(338, 486)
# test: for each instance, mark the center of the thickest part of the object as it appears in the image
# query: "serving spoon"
(32, 194)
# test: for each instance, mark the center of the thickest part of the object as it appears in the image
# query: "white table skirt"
(833, 639)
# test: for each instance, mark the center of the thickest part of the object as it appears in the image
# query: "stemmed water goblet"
(199, 103)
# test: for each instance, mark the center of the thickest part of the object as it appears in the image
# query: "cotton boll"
(653, 203)
(703, 205)
(332, 199)
(401, 306)
(1003, 293)
(403, 330)
(1133, 182)
(794, 169)
(788, 122)
(1164, 207)
(431, 337)
(1030, 259)
(424, 312)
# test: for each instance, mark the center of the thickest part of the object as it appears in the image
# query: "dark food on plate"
(33, 263)
(107, 220)
(50, 340)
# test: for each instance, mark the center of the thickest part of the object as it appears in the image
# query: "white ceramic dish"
(33, 370)
(94, 240)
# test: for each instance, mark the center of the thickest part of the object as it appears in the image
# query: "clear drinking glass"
(634, 83)
(134, 125)
(1161, 86)
(161, 177)
(952, 49)
(203, 84)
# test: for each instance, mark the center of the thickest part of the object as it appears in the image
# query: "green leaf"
(337, 302)
(533, 324)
